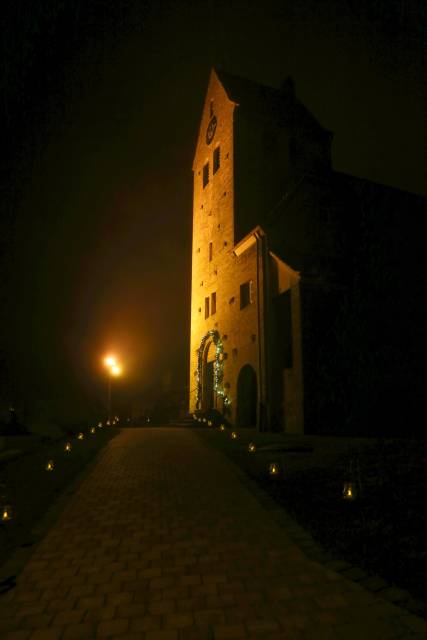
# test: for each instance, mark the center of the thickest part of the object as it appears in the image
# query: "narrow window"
(216, 159)
(210, 251)
(206, 307)
(205, 174)
(213, 303)
(245, 294)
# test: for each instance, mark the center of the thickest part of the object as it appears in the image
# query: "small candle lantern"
(92, 429)
(349, 491)
(204, 419)
(209, 423)
(222, 427)
(50, 465)
(108, 423)
(273, 469)
(351, 488)
(251, 447)
(6, 513)
(67, 447)
(100, 425)
(233, 435)
(80, 436)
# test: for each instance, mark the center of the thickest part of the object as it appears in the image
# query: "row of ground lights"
(6, 509)
(350, 490)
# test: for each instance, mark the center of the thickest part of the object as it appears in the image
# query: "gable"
(216, 119)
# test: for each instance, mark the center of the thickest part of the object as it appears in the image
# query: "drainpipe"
(262, 310)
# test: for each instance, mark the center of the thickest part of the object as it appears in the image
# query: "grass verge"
(31, 490)
(383, 531)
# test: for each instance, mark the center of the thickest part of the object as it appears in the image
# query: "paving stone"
(163, 541)
(112, 628)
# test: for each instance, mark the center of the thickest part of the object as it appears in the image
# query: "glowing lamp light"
(110, 361)
(80, 436)
(108, 423)
(349, 491)
(115, 370)
(194, 416)
(92, 429)
(273, 469)
(204, 420)
(50, 465)
(6, 513)
(233, 435)
(251, 447)
(67, 447)
(222, 427)
(100, 425)
(209, 423)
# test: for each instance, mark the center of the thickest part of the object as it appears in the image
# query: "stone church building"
(289, 259)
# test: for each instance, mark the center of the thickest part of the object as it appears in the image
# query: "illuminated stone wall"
(213, 222)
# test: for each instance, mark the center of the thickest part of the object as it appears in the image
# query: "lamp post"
(114, 370)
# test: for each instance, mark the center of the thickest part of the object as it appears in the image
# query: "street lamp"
(114, 370)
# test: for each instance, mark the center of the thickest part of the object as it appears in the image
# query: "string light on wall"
(218, 368)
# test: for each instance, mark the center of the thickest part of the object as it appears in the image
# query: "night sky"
(101, 103)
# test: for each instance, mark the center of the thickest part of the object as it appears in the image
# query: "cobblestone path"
(162, 541)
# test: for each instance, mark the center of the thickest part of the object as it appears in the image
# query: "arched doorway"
(208, 383)
(247, 397)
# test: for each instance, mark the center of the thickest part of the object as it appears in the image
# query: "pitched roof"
(269, 102)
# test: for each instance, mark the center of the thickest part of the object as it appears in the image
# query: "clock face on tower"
(210, 131)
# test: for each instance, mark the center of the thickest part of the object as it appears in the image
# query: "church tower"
(227, 291)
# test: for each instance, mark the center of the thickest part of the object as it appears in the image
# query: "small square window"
(210, 251)
(206, 307)
(245, 294)
(213, 303)
(216, 159)
(205, 174)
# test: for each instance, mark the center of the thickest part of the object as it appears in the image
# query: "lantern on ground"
(209, 423)
(108, 423)
(67, 447)
(92, 429)
(204, 420)
(233, 435)
(352, 484)
(251, 447)
(50, 465)
(349, 491)
(100, 425)
(6, 512)
(273, 469)
(222, 427)
(80, 436)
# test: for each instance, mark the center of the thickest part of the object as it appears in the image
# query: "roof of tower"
(268, 101)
